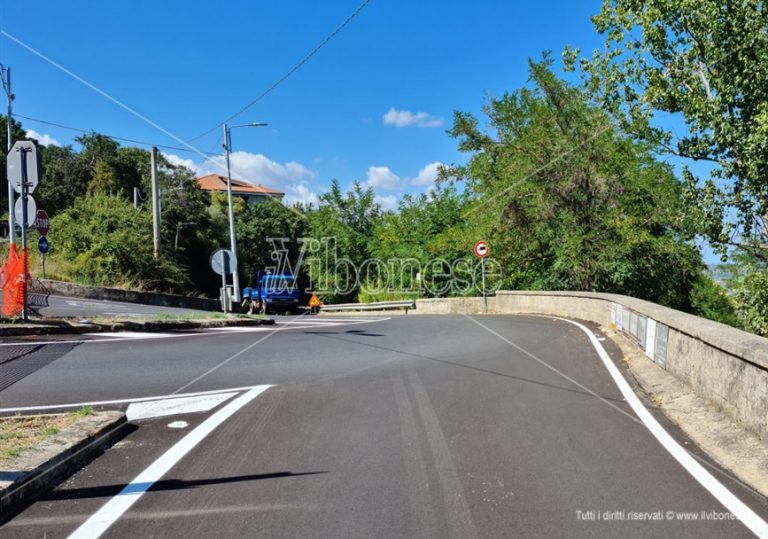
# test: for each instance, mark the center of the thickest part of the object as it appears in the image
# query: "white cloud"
(181, 162)
(428, 174)
(300, 192)
(407, 118)
(388, 202)
(259, 169)
(383, 178)
(44, 140)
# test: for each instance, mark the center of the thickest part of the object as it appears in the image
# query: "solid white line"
(124, 401)
(206, 331)
(100, 521)
(749, 518)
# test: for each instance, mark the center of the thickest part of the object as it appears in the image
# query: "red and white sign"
(481, 249)
(42, 223)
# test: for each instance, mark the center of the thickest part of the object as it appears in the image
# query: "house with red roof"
(252, 193)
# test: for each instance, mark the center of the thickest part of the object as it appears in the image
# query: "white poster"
(650, 338)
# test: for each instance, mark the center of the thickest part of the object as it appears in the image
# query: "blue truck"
(272, 293)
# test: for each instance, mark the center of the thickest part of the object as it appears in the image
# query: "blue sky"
(373, 105)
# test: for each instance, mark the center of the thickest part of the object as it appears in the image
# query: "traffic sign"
(42, 223)
(481, 249)
(223, 262)
(31, 211)
(42, 244)
(28, 150)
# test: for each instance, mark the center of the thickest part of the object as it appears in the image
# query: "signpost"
(223, 262)
(482, 251)
(42, 223)
(31, 212)
(23, 170)
(42, 246)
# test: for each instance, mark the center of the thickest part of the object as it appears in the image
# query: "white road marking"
(109, 513)
(132, 335)
(106, 338)
(124, 401)
(182, 405)
(178, 425)
(749, 518)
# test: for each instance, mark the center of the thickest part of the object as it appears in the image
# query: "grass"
(20, 433)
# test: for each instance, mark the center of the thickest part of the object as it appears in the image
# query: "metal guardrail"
(376, 306)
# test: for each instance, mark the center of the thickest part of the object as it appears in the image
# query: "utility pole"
(135, 197)
(155, 204)
(231, 211)
(232, 241)
(5, 74)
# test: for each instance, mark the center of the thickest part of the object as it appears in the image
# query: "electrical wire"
(122, 139)
(290, 72)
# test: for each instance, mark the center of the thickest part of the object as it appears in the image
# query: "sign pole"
(485, 297)
(43, 265)
(24, 193)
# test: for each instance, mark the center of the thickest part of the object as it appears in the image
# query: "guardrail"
(376, 306)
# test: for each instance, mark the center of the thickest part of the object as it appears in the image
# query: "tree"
(345, 223)
(103, 240)
(65, 178)
(268, 235)
(704, 62)
(569, 202)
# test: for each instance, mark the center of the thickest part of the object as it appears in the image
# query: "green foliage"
(752, 301)
(103, 240)
(569, 203)
(65, 178)
(706, 63)
(256, 226)
(710, 300)
(350, 219)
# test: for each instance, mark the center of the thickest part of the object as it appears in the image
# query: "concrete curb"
(65, 327)
(34, 473)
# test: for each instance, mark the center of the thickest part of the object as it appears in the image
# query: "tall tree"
(704, 63)
(570, 202)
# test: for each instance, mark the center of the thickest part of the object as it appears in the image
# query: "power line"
(290, 72)
(122, 139)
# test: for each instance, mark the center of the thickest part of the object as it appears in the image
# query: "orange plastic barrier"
(14, 273)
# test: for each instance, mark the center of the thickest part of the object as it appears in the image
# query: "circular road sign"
(42, 223)
(31, 211)
(481, 249)
(223, 262)
(42, 244)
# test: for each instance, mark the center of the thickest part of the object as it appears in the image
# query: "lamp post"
(232, 241)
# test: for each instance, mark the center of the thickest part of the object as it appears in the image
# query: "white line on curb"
(749, 518)
(100, 521)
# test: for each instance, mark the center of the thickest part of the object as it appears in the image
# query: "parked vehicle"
(272, 293)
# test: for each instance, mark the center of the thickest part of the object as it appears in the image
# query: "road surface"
(409, 426)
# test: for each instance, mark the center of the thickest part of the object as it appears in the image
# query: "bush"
(103, 240)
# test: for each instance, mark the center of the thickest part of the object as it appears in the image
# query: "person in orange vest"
(314, 304)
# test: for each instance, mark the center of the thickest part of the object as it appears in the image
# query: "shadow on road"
(337, 336)
(19, 361)
(165, 484)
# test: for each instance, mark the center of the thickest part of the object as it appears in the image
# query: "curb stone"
(68, 328)
(36, 472)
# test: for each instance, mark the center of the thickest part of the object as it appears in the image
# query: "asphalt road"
(60, 306)
(413, 426)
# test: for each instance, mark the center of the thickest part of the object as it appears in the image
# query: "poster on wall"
(650, 338)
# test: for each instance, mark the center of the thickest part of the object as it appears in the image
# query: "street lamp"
(232, 242)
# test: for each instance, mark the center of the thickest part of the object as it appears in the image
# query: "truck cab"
(273, 293)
